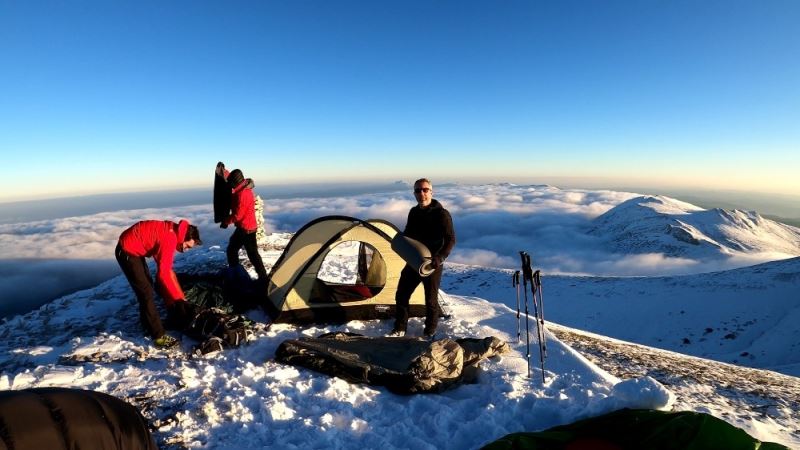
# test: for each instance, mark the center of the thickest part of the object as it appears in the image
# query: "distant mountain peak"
(660, 224)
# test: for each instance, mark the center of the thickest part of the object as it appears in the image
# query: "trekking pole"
(527, 275)
(515, 283)
(442, 312)
(537, 281)
(527, 328)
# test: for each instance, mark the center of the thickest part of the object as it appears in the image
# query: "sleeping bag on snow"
(403, 365)
(61, 418)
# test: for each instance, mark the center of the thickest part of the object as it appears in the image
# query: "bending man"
(158, 239)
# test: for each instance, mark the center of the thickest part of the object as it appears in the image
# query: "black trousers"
(409, 280)
(138, 275)
(239, 239)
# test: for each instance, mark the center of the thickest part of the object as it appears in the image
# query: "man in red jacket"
(243, 215)
(158, 239)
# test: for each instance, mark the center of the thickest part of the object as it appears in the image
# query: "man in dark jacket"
(243, 216)
(158, 239)
(431, 224)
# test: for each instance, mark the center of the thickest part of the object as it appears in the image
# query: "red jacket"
(243, 207)
(158, 239)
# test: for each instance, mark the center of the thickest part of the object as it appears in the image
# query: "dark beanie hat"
(193, 233)
(235, 178)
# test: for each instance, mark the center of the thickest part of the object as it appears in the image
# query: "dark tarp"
(634, 429)
(60, 418)
(230, 290)
(403, 365)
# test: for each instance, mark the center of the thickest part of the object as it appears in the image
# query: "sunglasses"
(418, 190)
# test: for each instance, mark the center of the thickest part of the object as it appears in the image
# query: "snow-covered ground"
(242, 398)
(748, 398)
(745, 316)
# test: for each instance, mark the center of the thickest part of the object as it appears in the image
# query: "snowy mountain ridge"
(660, 224)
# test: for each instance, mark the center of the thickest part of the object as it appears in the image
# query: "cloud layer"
(493, 223)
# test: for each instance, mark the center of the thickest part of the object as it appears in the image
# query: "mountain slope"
(658, 224)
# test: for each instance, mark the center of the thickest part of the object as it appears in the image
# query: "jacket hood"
(183, 227)
(248, 183)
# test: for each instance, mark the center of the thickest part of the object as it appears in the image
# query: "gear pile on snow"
(218, 330)
(214, 299)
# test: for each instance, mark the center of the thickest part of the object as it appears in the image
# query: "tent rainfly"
(297, 294)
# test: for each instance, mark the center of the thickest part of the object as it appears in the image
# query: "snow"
(242, 398)
(745, 316)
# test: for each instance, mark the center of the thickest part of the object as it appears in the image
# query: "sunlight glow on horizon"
(762, 184)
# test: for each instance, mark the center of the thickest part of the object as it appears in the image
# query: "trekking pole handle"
(527, 274)
(515, 279)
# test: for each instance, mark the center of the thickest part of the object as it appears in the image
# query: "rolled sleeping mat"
(414, 253)
(222, 194)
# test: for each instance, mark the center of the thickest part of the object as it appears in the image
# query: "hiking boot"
(429, 334)
(166, 341)
(396, 333)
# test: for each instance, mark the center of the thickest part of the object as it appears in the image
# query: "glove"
(223, 225)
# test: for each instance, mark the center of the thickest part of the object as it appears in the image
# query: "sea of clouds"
(44, 258)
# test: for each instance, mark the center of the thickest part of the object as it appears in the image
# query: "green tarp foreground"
(638, 429)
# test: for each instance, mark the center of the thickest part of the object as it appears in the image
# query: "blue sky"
(125, 96)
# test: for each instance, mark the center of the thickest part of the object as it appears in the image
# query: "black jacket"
(432, 226)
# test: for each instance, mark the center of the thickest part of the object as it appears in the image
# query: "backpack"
(217, 330)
